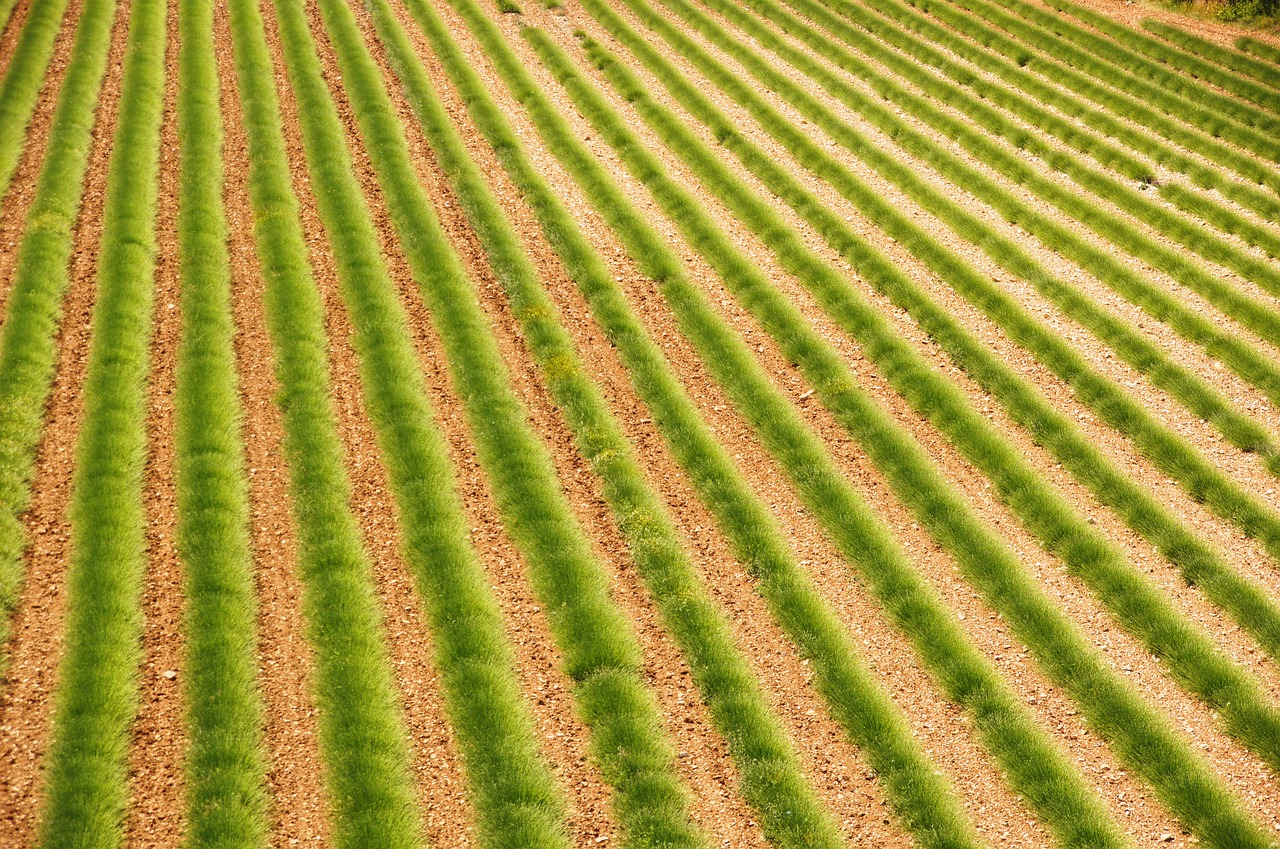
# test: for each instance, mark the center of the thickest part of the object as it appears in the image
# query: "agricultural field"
(638, 423)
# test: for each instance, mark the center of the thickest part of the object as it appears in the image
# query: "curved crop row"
(86, 775)
(984, 48)
(1230, 120)
(1111, 706)
(769, 774)
(1202, 481)
(600, 651)
(1151, 59)
(1123, 589)
(1035, 768)
(1249, 363)
(28, 352)
(23, 79)
(362, 737)
(226, 764)
(1233, 59)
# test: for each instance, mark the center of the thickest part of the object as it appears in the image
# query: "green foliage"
(769, 774)
(28, 351)
(1207, 51)
(513, 793)
(86, 771)
(1124, 63)
(1201, 480)
(1044, 512)
(1064, 654)
(226, 764)
(599, 648)
(1260, 49)
(1038, 50)
(1051, 787)
(25, 75)
(362, 736)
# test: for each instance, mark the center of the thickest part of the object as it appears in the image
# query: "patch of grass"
(86, 772)
(1261, 49)
(1250, 364)
(1114, 708)
(363, 740)
(770, 776)
(514, 792)
(226, 765)
(1052, 788)
(599, 648)
(25, 75)
(28, 352)
(1152, 59)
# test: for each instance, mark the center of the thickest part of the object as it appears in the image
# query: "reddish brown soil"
(295, 773)
(35, 645)
(156, 812)
(12, 29)
(17, 197)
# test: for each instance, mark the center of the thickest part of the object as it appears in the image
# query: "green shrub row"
(1252, 365)
(770, 776)
(1260, 49)
(599, 649)
(6, 10)
(992, 121)
(1236, 60)
(1108, 702)
(1127, 65)
(984, 46)
(363, 741)
(1034, 766)
(225, 762)
(28, 351)
(1230, 120)
(1157, 61)
(26, 74)
(1131, 598)
(1199, 477)
(86, 764)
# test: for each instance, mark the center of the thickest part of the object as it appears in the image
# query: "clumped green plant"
(26, 73)
(225, 763)
(599, 648)
(28, 351)
(86, 766)
(363, 741)
(769, 774)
